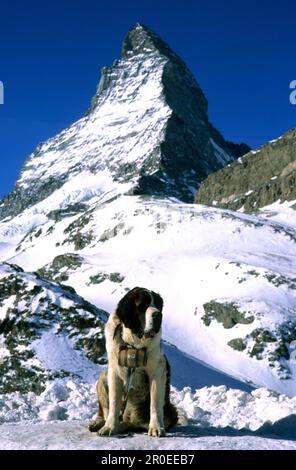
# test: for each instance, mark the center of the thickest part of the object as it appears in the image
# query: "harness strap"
(130, 373)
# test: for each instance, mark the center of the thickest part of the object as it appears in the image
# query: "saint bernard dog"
(135, 326)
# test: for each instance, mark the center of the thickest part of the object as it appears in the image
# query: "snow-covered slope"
(47, 331)
(229, 295)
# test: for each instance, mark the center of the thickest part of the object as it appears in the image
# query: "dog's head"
(140, 310)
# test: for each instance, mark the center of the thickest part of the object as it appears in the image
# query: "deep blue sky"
(242, 54)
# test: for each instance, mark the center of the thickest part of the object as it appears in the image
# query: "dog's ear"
(126, 310)
(136, 293)
(158, 302)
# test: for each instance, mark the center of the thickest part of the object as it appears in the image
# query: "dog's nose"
(154, 312)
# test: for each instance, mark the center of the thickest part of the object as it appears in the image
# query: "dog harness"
(128, 355)
(131, 358)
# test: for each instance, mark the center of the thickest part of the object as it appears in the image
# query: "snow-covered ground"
(220, 416)
(74, 398)
(74, 435)
(283, 213)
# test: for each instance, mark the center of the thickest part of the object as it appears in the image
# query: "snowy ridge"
(221, 155)
(117, 126)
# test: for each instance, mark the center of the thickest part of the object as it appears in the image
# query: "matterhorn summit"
(146, 132)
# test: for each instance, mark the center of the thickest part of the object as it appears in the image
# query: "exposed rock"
(58, 269)
(256, 180)
(226, 313)
(31, 307)
(270, 344)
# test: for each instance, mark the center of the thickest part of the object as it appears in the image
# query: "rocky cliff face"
(258, 179)
(146, 132)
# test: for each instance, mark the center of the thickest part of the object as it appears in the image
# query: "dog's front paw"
(96, 425)
(109, 429)
(155, 430)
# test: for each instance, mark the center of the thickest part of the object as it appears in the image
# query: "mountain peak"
(146, 132)
(142, 40)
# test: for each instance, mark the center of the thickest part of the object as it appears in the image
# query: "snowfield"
(211, 258)
(236, 291)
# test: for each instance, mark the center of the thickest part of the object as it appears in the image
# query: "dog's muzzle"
(153, 319)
